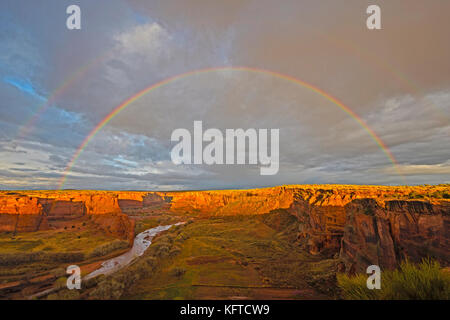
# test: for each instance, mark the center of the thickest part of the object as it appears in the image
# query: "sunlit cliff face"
(376, 224)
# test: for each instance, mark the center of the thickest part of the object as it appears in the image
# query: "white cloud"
(419, 169)
(146, 40)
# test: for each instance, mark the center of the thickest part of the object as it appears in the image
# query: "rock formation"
(362, 225)
(387, 233)
(34, 210)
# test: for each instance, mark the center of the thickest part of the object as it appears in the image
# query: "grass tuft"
(424, 281)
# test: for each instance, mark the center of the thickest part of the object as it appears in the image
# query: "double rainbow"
(157, 85)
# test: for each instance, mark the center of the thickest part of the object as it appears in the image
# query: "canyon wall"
(386, 233)
(41, 210)
(361, 225)
(374, 226)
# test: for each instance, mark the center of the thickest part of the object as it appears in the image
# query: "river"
(141, 243)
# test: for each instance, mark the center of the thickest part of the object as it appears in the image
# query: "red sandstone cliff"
(387, 233)
(33, 211)
(363, 224)
(21, 213)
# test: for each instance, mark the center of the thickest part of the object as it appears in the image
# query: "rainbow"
(25, 129)
(359, 52)
(157, 85)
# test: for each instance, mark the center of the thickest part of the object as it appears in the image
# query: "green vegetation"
(149, 222)
(36, 254)
(424, 281)
(441, 194)
(107, 248)
(415, 195)
(426, 192)
(119, 284)
(222, 257)
(13, 259)
(54, 241)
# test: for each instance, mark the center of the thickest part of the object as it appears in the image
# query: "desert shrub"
(114, 286)
(176, 229)
(355, 288)
(150, 263)
(110, 288)
(63, 256)
(91, 282)
(59, 272)
(175, 251)
(424, 281)
(61, 283)
(182, 236)
(107, 248)
(9, 259)
(441, 195)
(415, 195)
(142, 270)
(64, 294)
(127, 277)
(161, 249)
(178, 272)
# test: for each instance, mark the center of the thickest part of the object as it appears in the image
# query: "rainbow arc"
(157, 85)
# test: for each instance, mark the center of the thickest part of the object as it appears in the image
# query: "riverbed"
(141, 243)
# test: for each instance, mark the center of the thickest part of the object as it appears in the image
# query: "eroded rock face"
(40, 211)
(21, 214)
(17, 204)
(22, 223)
(116, 224)
(387, 233)
(362, 224)
(57, 210)
(320, 226)
(230, 202)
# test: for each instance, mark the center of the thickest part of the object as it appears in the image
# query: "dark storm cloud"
(397, 79)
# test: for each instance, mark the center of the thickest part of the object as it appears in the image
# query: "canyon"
(357, 225)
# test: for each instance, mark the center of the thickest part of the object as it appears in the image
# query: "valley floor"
(243, 257)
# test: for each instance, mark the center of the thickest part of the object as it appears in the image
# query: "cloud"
(397, 80)
(422, 169)
(143, 40)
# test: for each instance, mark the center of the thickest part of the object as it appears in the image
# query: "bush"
(64, 294)
(150, 263)
(110, 288)
(107, 248)
(441, 195)
(60, 283)
(175, 251)
(91, 282)
(178, 272)
(114, 286)
(415, 195)
(59, 272)
(10, 259)
(161, 249)
(63, 256)
(425, 281)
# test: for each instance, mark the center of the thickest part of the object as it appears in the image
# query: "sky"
(57, 85)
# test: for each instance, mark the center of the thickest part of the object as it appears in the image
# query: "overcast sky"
(66, 81)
